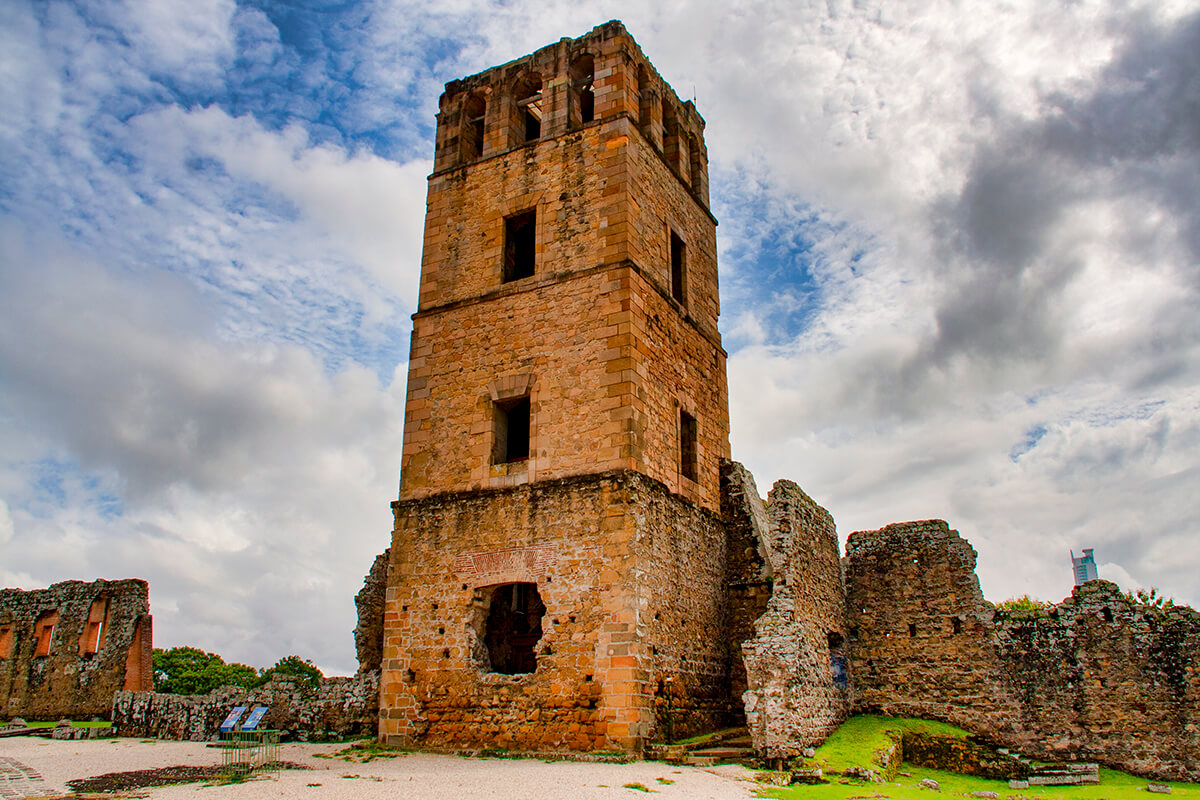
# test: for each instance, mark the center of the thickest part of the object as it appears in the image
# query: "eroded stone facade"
(66, 650)
(796, 662)
(338, 707)
(1095, 677)
(557, 565)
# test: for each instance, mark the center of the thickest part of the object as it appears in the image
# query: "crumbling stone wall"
(368, 634)
(749, 572)
(66, 650)
(796, 664)
(921, 632)
(1095, 677)
(1101, 678)
(631, 646)
(339, 707)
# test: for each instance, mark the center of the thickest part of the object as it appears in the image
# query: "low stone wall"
(961, 756)
(340, 707)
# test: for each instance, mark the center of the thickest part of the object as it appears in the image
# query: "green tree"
(294, 665)
(189, 670)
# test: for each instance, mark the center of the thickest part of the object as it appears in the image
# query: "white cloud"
(6, 524)
(246, 473)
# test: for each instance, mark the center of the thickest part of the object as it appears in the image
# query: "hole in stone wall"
(473, 113)
(582, 89)
(92, 637)
(955, 625)
(1108, 615)
(520, 245)
(912, 629)
(837, 659)
(410, 676)
(513, 628)
(687, 445)
(678, 274)
(445, 652)
(510, 444)
(670, 134)
(527, 108)
(645, 100)
(441, 631)
(43, 631)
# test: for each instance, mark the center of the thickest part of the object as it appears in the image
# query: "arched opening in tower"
(513, 628)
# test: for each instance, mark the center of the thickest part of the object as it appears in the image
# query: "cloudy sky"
(960, 264)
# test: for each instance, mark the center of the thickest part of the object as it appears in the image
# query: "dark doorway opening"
(513, 628)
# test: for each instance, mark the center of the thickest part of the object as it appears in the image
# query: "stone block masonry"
(629, 646)
(796, 663)
(338, 708)
(66, 650)
(558, 560)
(1096, 677)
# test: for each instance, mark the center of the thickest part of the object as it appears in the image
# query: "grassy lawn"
(858, 742)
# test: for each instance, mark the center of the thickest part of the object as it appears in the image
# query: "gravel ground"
(414, 775)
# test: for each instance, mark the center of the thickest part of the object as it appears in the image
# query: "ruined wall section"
(1100, 678)
(629, 576)
(681, 611)
(797, 675)
(749, 572)
(368, 634)
(1095, 678)
(66, 650)
(339, 707)
(921, 631)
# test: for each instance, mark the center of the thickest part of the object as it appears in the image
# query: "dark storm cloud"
(1134, 138)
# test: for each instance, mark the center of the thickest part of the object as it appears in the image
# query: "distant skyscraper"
(1084, 566)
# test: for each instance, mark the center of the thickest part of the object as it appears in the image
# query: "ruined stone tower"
(556, 569)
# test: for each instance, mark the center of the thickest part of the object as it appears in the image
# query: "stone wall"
(368, 634)
(65, 650)
(339, 707)
(631, 645)
(749, 572)
(796, 664)
(1095, 677)
(595, 338)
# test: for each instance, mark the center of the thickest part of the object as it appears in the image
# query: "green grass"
(1113, 786)
(860, 740)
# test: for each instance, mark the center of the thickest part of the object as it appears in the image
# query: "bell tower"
(556, 567)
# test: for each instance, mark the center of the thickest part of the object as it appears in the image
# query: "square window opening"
(687, 445)
(519, 245)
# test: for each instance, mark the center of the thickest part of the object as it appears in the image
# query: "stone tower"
(557, 561)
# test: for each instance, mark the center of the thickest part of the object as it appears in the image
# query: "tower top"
(564, 87)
